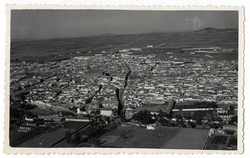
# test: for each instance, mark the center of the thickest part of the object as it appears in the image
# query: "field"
(221, 142)
(73, 124)
(53, 136)
(83, 132)
(188, 139)
(233, 141)
(42, 112)
(161, 137)
(18, 138)
(59, 49)
(48, 139)
(126, 137)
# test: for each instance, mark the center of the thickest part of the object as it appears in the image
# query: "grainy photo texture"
(101, 79)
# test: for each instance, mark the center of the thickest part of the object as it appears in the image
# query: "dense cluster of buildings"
(84, 84)
(71, 82)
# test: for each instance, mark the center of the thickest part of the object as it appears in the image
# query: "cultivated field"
(233, 141)
(162, 137)
(17, 138)
(59, 49)
(42, 112)
(188, 139)
(73, 124)
(222, 142)
(48, 139)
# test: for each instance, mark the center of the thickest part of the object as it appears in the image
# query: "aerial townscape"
(120, 95)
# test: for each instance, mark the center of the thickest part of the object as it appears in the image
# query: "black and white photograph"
(120, 78)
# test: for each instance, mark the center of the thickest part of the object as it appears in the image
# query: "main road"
(120, 93)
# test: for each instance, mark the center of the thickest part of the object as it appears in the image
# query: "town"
(109, 98)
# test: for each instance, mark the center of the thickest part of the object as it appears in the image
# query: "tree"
(147, 117)
(68, 137)
(233, 120)
(198, 117)
(179, 120)
(231, 110)
(199, 122)
(100, 105)
(192, 124)
(29, 114)
(155, 117)
(160, 114)
(77, 138)
(161, 117)
(213, 125)
(16, 113)
(107, 119)
(41, 62)
(89, 116)
(114, 112)
(144, 117)
(96, 114)
(180, 112)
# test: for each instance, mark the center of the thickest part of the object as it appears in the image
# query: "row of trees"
(19, 108)
(145, 117)
(96, 116)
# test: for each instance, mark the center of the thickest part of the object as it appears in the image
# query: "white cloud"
(197, 22)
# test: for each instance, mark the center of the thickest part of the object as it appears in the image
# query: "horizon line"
(129, 34)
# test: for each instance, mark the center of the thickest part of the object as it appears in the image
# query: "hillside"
(211, 29)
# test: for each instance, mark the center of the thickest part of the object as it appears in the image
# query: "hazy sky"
(39, 24)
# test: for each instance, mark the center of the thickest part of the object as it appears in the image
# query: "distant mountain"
(211, 29)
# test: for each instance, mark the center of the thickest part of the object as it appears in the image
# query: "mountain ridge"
(207, 29)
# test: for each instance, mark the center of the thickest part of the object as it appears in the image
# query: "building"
(94, 73)
(129, 113)
(55, 118)
(230, 129)
(151, 126)
(78, 111)
(106, 111)
(77, 119)
(24, 128)
(211, 132)
(150, 46)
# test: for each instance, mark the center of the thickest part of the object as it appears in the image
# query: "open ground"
(161, 137)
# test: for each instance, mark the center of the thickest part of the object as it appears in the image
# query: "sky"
(45, 24)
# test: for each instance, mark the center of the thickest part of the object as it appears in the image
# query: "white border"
(143, 150)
